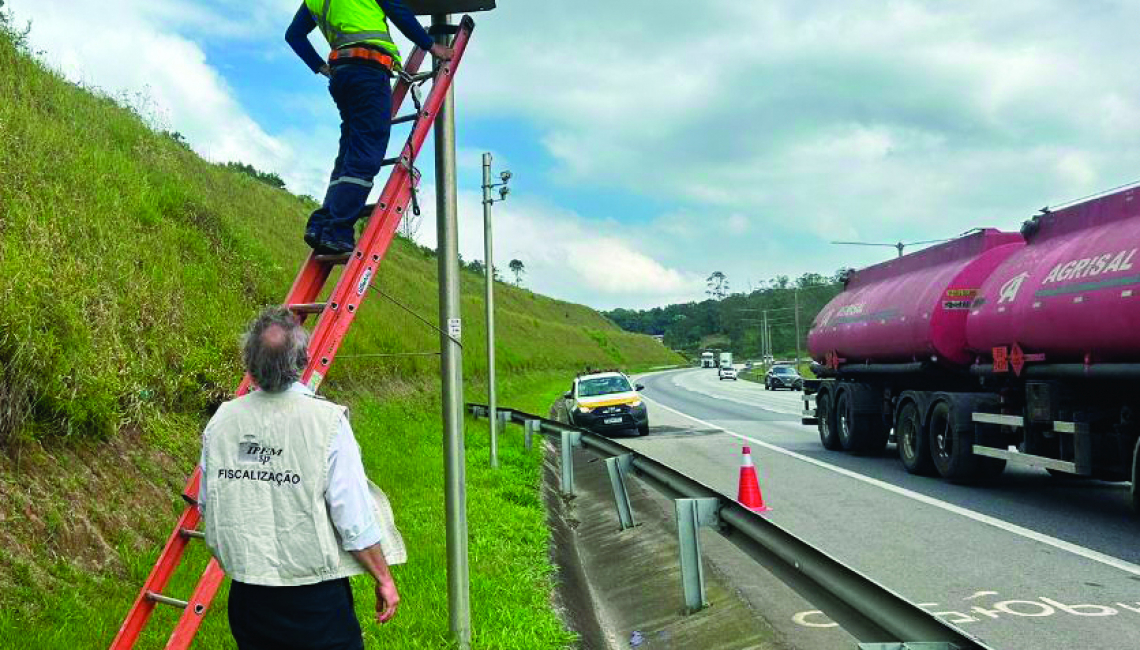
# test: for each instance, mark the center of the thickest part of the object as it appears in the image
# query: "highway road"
(1024, 562)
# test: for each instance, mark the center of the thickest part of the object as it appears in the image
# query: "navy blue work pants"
(363, 95)
(310, 617)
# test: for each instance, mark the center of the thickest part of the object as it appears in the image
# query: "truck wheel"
(913, 443)
(951, 444)
(826, 423)
(643, 430)
(845, 427)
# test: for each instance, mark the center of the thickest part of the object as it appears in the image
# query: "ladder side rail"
(159, 576)
(198, 605)
(360, 272)
(411, 67)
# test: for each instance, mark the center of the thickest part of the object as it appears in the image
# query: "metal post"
(568, 463)
(451, 362)
(691, 515)
(529, 429)
(489, 262)
(618, 467)
(797, 309)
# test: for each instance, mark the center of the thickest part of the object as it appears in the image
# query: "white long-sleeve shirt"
(347, 496)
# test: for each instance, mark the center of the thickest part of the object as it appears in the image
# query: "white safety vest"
(266, 519)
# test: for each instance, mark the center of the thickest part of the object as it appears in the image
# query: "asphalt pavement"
(1023, 562)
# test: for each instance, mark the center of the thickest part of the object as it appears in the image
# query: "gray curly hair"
(275, 350)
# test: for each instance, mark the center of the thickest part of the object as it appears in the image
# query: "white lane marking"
(1042, 538)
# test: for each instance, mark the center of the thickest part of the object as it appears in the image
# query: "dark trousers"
(309, 617)
(363, 95)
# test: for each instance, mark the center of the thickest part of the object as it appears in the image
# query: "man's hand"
(386, 600)
(442, 52)
(326, 70)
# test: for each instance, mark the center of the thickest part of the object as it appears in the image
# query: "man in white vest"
(288, 510)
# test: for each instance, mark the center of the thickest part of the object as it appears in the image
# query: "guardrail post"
(530, 427)
(570, 439)
(504, 418)
(618, 467)
(691, 515)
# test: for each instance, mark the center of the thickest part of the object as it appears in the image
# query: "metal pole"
(489, 262)
(797, 304)
(767, 341)
(455, 490)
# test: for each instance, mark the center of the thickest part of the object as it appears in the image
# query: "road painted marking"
(1042, 607)
(1021, 531)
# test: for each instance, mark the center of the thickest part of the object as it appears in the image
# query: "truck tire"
(860, 428)
(826, 424)
(845, 421)
(913, 442)
(952, 443)
(643, 430)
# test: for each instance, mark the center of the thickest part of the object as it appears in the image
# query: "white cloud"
(566, 255)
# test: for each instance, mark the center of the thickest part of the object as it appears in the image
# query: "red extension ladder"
(335, 316)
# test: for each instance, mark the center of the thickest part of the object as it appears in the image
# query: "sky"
(653, 142)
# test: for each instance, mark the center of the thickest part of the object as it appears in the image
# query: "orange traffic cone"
(749, 493)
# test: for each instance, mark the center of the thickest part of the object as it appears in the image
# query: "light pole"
(489, 263)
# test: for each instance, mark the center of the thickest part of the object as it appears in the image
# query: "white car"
(727, 373)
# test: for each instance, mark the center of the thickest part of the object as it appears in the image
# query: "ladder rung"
(422, 76)
(308, 308)
(167, 600)
(342, 258)
(190, 532)
(410, 117)
(390, 161)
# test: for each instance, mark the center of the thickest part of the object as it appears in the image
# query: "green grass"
(128, 268)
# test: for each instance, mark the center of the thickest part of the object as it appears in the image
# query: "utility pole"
(451, 361)
(797, 311)
(766, 337)
(489, 262)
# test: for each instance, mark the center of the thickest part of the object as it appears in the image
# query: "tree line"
(734, 321)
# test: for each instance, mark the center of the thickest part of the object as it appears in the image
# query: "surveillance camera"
(503, 192)
(506, 176)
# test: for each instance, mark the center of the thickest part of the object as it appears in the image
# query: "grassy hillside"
(128, 268)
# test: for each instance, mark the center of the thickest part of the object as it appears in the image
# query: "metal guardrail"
(866, 609)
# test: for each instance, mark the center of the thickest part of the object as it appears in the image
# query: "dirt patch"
(82, 508)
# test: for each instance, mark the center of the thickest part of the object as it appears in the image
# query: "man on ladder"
(362, 61)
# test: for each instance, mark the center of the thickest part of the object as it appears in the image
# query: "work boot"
(313, 237)
(338, 238)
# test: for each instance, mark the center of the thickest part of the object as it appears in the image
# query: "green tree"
(518, 269)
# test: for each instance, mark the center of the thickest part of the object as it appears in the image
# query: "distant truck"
(725, 359)
(994, 347)
(708, 360)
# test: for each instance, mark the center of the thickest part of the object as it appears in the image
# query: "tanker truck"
(992, 348)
